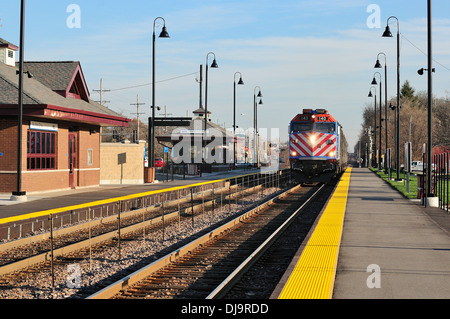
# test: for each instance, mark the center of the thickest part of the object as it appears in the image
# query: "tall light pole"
(430, 100)
(20, 195)
(234, 111)
(375, 123)
(255, 123)
(151, 136)
(374, 82)
(387, 33)
(214, 66)
(378, 66)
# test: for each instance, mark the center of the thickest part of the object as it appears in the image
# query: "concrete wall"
(111, 172)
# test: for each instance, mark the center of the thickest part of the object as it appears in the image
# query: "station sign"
(41, 126)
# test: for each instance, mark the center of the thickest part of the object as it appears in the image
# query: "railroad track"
(36, 259)
(207, 267)
(260, 280)
(28, 251)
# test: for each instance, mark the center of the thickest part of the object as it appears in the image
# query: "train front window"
(301, 127)
(325, 127)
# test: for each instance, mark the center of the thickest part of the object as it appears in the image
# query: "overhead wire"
(424, 53)
(148, 84)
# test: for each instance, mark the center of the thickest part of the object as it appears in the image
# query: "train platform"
(45, 201)
(372, 243)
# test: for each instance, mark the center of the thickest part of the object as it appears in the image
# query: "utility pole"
(165, 116)
(137, 104)
(101, 91)
(101, 98)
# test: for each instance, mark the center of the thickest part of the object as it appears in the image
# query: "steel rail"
(146, 271)
(67, 249)
(227, 284)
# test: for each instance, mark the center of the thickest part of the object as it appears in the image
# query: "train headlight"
(294, 153)
(312, 139)
(332, 154)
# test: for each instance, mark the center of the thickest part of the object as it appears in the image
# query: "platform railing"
(441, 179)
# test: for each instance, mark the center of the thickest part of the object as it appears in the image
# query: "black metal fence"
(441, 179)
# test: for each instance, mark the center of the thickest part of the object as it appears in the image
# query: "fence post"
(119, 208)
(50, 218)
(192, 205)
(163, 225)
(90, 244)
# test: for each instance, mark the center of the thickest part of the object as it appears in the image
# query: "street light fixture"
(421, 71)
(387, 33)
(374, 82)
(255, 121)
(241, 82)
(151, 142)
(20, 195)
(428, 191)
(214, 65)
(375, 158)
(378, 66)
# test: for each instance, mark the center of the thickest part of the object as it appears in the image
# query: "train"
(317, 146)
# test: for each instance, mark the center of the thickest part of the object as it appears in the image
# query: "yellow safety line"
(106, 201)
(97, 203)
(314, 274)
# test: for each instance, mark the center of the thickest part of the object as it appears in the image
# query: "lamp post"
(20, 195)
(375, 161)
(214, 66)
(430, 97)
(430, 70)
(374, 82)
(378, 66)
(387, 33)
(151, 136)
(234, 111)
(255, 123)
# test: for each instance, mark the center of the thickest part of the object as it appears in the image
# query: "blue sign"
(166, 149)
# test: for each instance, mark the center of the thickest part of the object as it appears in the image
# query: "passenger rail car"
(317, 145)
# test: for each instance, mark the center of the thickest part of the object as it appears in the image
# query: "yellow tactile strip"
(314, 274)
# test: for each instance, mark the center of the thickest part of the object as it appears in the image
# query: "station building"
(61, 125)
(217, 143)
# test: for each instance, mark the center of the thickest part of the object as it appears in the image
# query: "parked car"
(418, 166)
(159, 162)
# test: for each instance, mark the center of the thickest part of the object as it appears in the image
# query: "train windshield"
(301, 127)
(325, 127)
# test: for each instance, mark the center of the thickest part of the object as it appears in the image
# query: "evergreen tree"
(408, 91)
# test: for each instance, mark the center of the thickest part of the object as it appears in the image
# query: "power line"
(424, 53)
(148, 84)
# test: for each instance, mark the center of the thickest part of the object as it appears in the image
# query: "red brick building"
(61, 126)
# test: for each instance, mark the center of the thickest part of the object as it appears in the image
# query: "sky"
(302, 54)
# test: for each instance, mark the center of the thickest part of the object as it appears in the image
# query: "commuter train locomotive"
(317, 146)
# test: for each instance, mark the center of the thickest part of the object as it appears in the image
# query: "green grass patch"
(400, 186)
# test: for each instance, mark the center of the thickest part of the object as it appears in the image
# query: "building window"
(90, 157)
(10, 54)
(41, 150)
